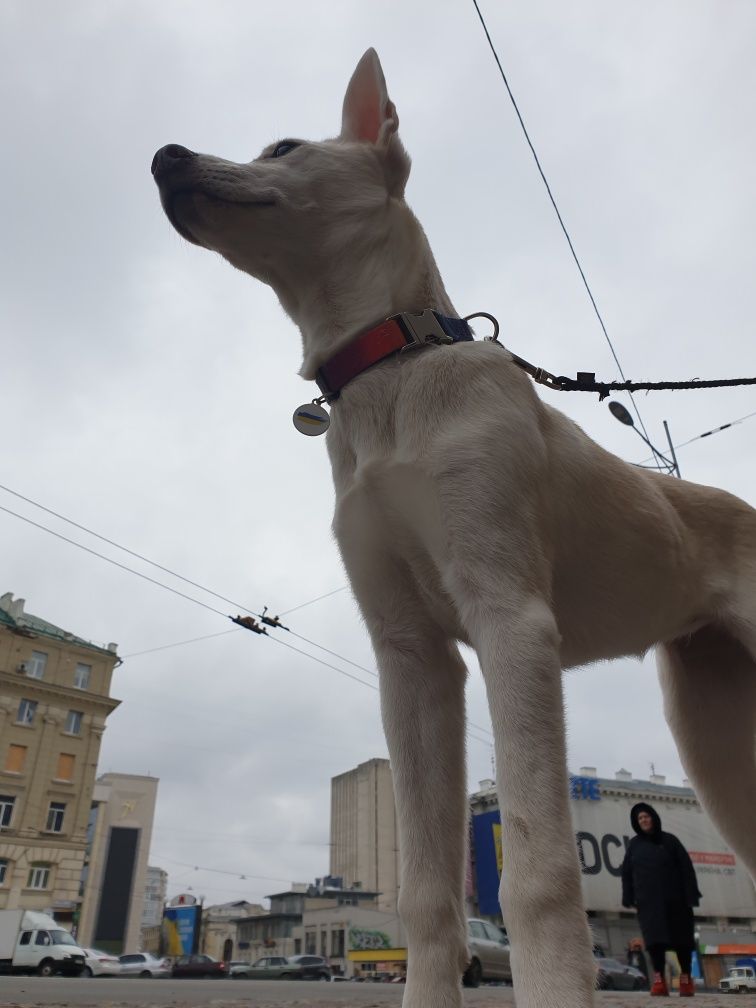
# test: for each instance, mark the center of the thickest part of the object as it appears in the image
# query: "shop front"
(383, 964)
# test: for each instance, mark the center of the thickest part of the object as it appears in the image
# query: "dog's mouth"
(170, 200)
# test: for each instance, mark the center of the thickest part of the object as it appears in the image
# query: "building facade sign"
(362, 938)
(181, 929)
(602, 832)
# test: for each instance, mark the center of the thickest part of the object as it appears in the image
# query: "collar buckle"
(420, 328)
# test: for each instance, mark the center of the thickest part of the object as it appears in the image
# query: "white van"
(32, 942)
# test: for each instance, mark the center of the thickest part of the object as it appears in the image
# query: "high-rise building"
(364, 841)
(115, 874)
(155, 889)
(54, 700)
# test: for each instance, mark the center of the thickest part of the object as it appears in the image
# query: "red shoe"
(659, 986)
(686, 986)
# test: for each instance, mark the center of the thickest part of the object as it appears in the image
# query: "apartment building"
(54, 701)
(364, 839)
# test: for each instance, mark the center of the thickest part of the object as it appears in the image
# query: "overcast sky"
(147, 387)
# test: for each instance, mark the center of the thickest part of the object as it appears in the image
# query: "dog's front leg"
(517, 642)
(423, 704)
(422, 683)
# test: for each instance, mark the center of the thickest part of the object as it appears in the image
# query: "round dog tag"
(311, 419)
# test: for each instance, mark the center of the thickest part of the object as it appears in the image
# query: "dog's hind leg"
(709, 686)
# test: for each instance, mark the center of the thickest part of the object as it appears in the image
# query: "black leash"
(585, 381)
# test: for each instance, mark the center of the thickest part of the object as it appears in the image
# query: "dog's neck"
(387, 269)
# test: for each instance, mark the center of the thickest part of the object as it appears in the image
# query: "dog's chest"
(388, 518)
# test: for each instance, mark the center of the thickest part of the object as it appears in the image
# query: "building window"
(26, 712)
(55, 818)
(65, 766)
(3, 870)
(6, 809)
(81, 675)
(73, 722)
(324, 944)
(36, 665)
(311, 939)
(39, 877)
(16, 758)
(337, 943)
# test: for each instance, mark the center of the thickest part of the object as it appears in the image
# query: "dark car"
(311, 967)
(298, 967)
(611, 974)
(198, 966)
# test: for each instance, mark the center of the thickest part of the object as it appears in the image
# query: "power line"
(190, 598)
(303, 604)
(218, 871)
(192, 640)
(109, 560)
(125, 549)
(715, 430)
(556, 208)
(321, 662)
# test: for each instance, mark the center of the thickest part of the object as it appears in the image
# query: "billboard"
(601, 823)
(181, 929)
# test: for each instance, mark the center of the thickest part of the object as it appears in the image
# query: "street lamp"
(619, 412)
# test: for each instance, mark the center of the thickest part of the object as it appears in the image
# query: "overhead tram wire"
(190, 598)
(556, 210)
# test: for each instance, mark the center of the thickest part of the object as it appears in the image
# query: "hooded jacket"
(659, 879)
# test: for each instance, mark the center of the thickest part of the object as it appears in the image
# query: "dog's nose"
(168, 157)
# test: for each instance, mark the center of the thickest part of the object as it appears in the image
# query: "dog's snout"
(168, 156)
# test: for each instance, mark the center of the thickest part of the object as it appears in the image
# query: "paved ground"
(376, 998)
(54, 992)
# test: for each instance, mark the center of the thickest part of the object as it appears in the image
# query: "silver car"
(99, 963)
(489, 953)
(144, 964)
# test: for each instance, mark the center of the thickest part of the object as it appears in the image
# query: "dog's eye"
(283, 148)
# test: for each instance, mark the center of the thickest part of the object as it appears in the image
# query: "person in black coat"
(658, 879)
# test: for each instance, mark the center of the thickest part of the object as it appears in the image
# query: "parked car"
(311, 967)
(611, 974)
(144, 964)
(298, 967)
(489, 953)
(237, 964)
(198, 966)
(99, 963)
(267, 968)
(740, 980)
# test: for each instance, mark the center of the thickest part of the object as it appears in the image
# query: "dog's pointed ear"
(370, 116)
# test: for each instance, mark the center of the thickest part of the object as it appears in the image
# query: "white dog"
(467, 510)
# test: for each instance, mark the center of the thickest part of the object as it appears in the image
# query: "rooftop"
(13, 616)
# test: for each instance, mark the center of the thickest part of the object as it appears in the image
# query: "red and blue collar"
(404, 331)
